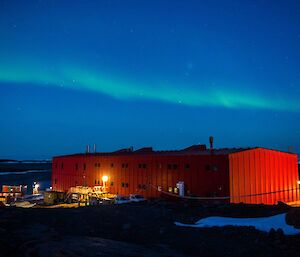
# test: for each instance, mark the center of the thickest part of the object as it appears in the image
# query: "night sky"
(166, 74)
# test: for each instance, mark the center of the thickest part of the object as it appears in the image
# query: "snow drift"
(263, 224)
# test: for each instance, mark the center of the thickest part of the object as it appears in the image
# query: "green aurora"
(76, 78)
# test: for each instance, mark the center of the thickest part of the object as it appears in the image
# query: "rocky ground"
(141, 229)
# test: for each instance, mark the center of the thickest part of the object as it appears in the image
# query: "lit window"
(170, 189)
(175, 190)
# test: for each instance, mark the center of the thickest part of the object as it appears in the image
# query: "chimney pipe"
(94, 148)
(88, 149)
(211, 141)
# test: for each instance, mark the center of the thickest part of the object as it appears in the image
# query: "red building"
(252, 175)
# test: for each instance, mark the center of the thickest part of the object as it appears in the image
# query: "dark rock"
(293, 217)
(126, 226)
(272, 234)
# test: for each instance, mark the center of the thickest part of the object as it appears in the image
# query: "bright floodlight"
(105, 178)
(298, 182)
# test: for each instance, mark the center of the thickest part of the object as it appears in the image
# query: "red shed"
(263, 176)
(253, 175)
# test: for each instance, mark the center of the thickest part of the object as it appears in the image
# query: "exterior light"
(104, 178)
(298, 182)
(35, 188)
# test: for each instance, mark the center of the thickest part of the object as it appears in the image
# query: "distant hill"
(25, 165)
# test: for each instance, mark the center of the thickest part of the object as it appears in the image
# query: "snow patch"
(263, 224)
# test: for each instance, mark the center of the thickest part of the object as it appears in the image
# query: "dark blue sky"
(166, 74)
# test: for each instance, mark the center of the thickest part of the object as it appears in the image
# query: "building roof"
(199, 149)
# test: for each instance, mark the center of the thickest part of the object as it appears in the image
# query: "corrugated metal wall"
(263, 176)
(203, 175)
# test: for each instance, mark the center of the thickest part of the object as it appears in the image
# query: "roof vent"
(144, 150)
(195, 148)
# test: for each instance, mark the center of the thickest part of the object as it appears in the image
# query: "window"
(124, 165)
(207, 167)
(142, 187)
(84, 166)
(215, 168)
(142, 165)
(62, 165)
(123, 184)
(158, 166)
(111, 165)
(175, 166)
(169, 166)
(76, 166)
(170, 190)
(126, 185)
(96, 165)
(98, 182)
(111, 183)
(56, 165)
(95, 181)
(55, 181)
(187, 166)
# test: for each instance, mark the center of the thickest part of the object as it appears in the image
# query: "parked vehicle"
(106, 200)
(121, 199)
(136, 198)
